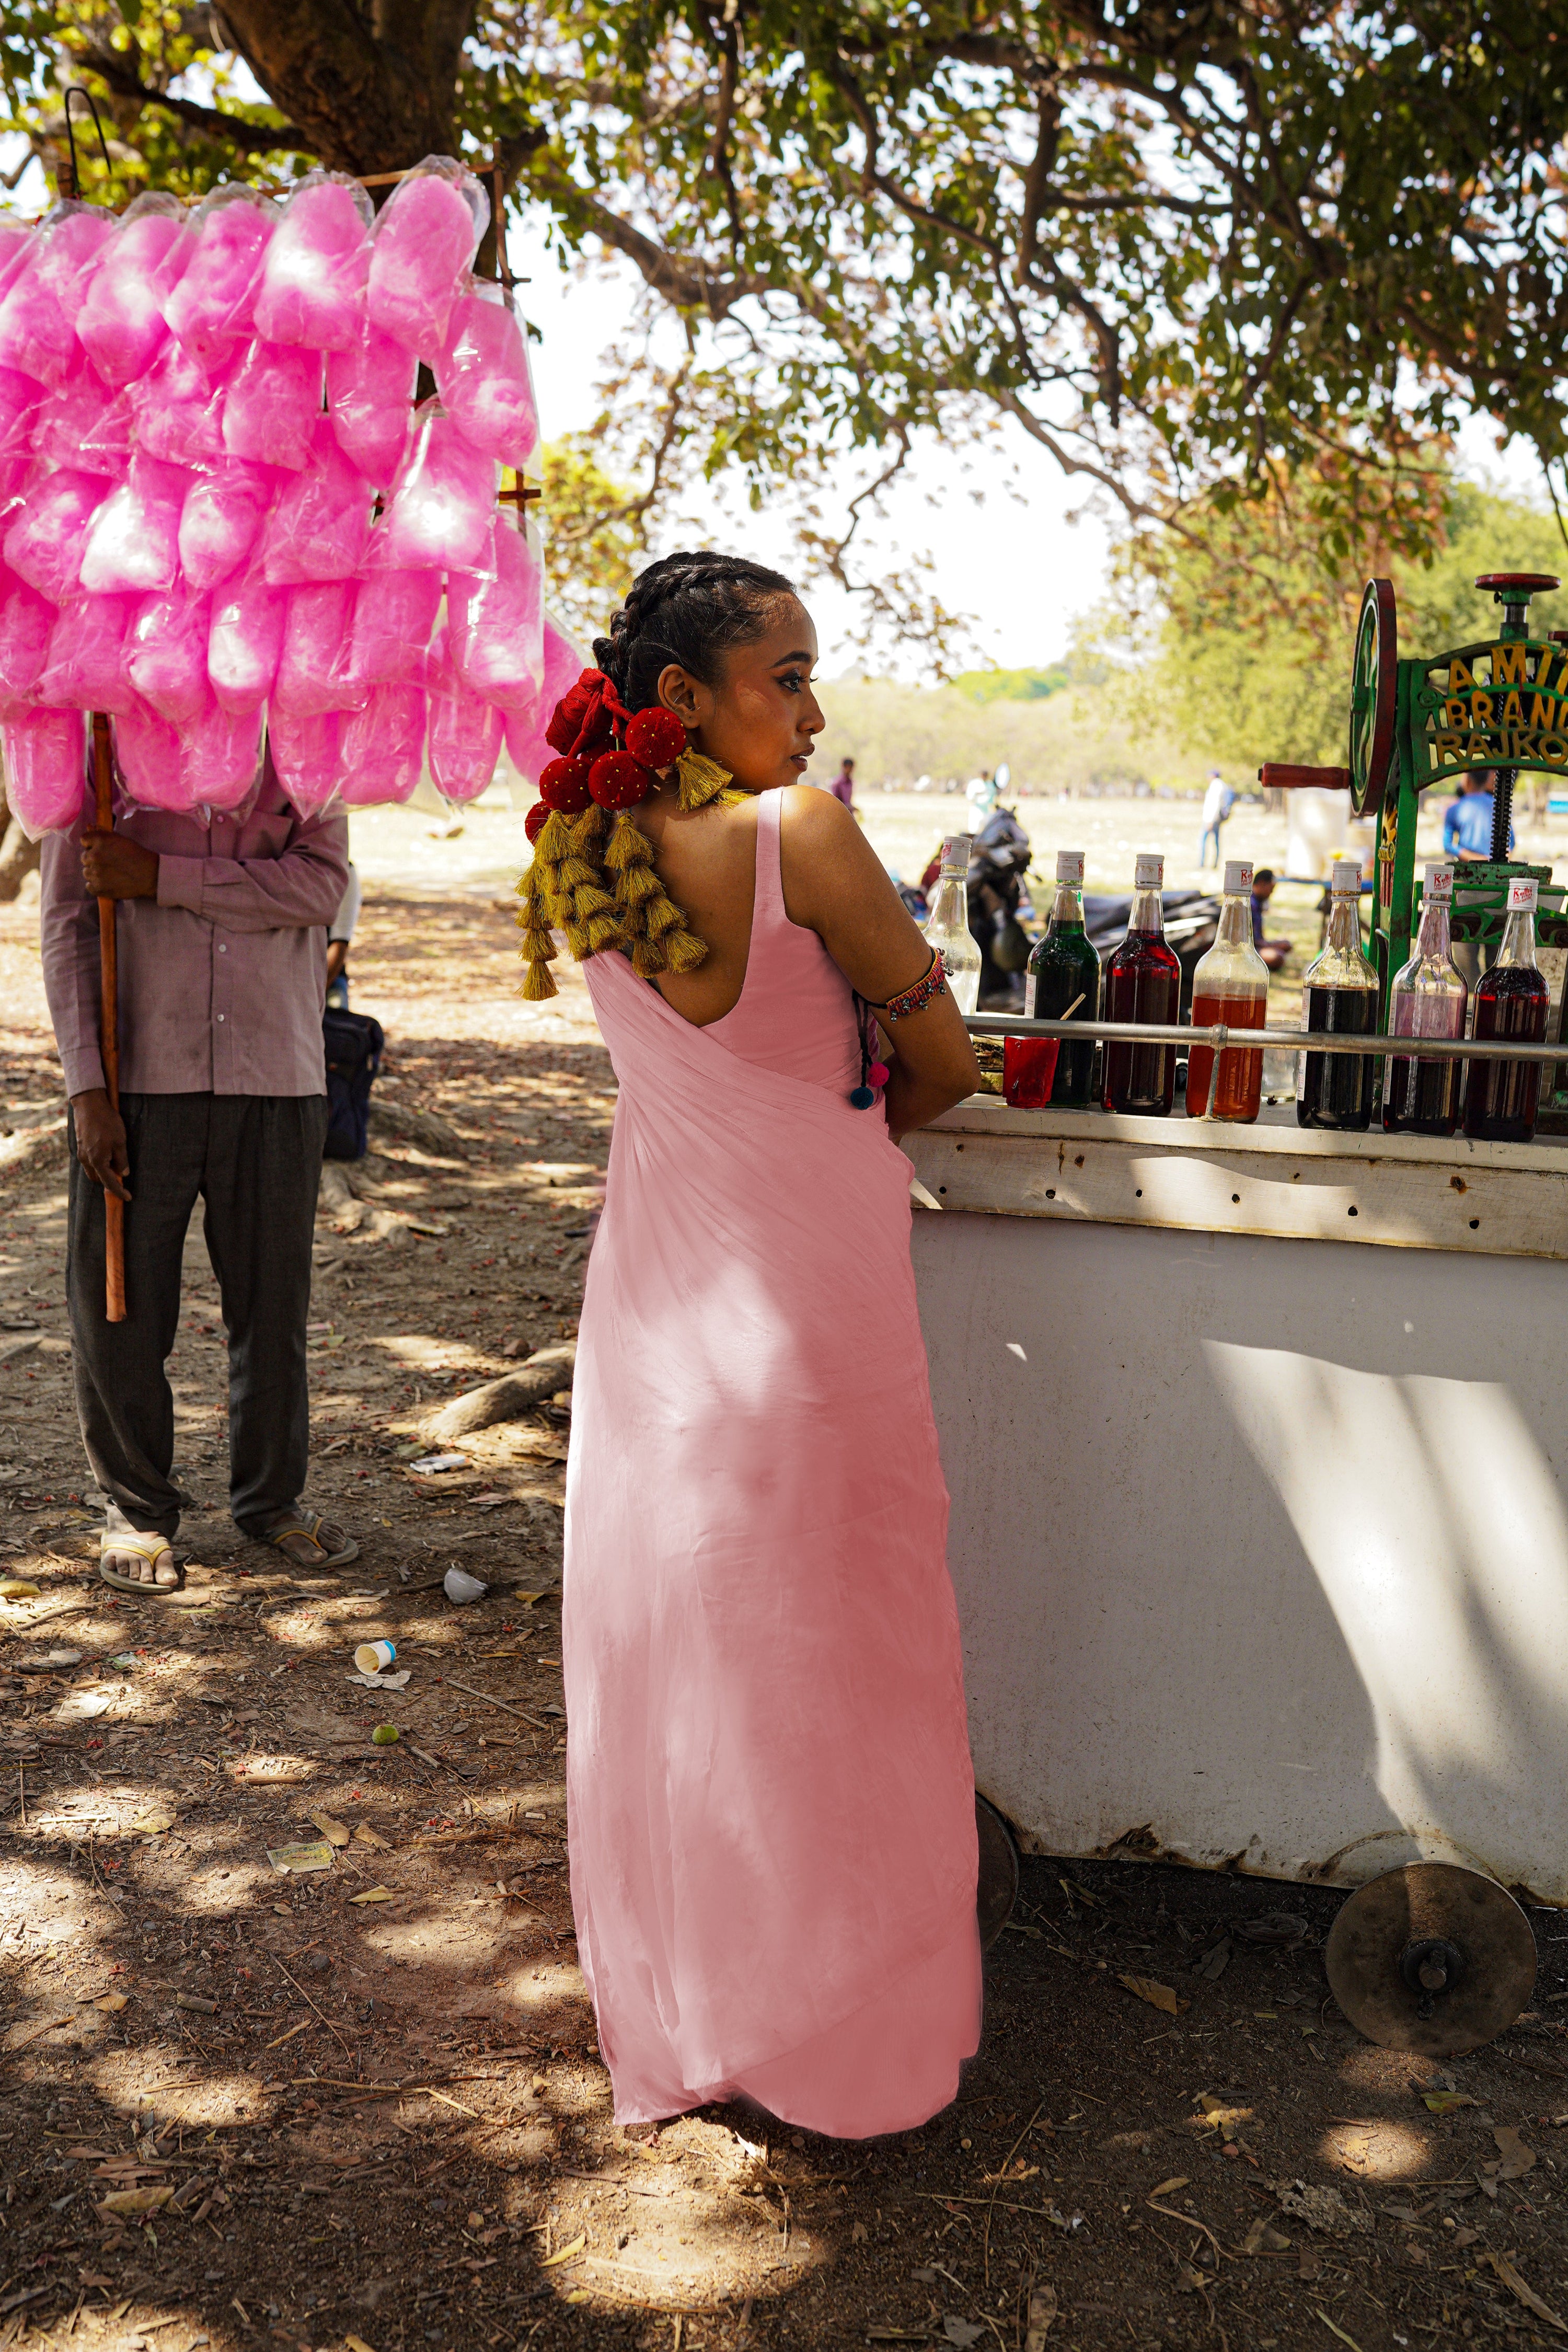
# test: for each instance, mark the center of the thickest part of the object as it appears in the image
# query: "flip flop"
(311, 1527)
(148, 1548)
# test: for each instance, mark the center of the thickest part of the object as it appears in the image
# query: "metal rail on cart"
(1295, 1041)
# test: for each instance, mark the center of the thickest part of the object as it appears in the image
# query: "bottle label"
(1238, 877)
(1031, 987)
(1070, 866)
(1345, 882)
(1521, 896)
(1148, 873)
(1437, 883)
(955, 851)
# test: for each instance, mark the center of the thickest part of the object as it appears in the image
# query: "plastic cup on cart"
(1029, 1070)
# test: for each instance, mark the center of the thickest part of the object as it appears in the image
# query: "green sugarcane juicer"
(1502, 704)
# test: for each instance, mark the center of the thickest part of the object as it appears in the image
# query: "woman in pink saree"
(771, 1801)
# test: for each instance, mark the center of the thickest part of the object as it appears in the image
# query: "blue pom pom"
(862, 1097)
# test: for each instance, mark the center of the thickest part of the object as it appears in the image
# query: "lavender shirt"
(223, 976)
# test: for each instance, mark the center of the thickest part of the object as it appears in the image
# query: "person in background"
(843, 784)
(1467, 824)
(222, 937)
(339, 936)
(1218, 803)
(1273, 952)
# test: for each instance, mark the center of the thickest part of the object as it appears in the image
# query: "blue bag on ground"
(353, 1046)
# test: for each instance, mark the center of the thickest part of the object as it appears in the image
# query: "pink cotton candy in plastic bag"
(383, 747)
(313, 665)
(219, 757)
(443, 502)
(497, 621)
(85, 667)
(308, 756)
(46, 770)
(394, 613)
(270, 409)
(425, 237)
(314, 274)
(465, 731)
(166, 656)
(66, 416)
(27, 624)
(370, 394)
(39, 315)
(564, 662)
(210, 310)
(120, 324)
(484, 379)
(245, 643)
(222, 520)
(134, 541)
(178, 408)
(321, 526)
(48, 534)
(22, 401)
(148, 753)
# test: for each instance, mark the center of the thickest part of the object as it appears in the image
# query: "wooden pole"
(109, 973)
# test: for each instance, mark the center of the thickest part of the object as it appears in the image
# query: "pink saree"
(771, 1802)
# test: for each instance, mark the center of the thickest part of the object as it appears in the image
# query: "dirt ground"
(361, 2106)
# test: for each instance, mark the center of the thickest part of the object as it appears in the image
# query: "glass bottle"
(1427, 999)
(1142, 982)
(1063, 983)
(1230, 985)
(1339, 995)
(947, 925)
(1502, 1098)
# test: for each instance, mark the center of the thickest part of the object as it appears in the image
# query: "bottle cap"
(1521, 896)
(1237, 875)
(1148, 873)
(1070, 866)
(955, 849)
(1345, 880)
(1437, 881)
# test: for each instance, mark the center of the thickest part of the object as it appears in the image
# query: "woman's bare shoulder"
(814, 824)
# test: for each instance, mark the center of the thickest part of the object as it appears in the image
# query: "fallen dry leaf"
(1042, 2311)
(1517, 2160)
(335, 1832)
(357, 2344)
(365, 1835)
(1218, 2116)
(110, 2002)
(1169, 2187)
(1524, 2293)
(1159, 1996)
(566, 2252)
(1443, 2102)
(136, 2200)
(375, 1895)
(153, 1823)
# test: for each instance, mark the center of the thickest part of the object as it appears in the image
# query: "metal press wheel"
(1374, 688)
(998, 1886)
(1431, 1958)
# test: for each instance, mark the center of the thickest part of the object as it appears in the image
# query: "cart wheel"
(998, 1889)
(1374, 697)
(1431, 1958)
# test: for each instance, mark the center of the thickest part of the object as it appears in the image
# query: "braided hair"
(594, 881)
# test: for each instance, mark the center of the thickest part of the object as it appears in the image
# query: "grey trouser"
(254, 1161)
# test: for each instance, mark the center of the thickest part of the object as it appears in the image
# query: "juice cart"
(1259, 1470)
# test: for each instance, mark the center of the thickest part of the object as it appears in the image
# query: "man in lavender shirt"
(843, 784)
(223, 954)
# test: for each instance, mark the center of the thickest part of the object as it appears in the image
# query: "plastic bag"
(85, 666)
(246, 640)
(442, 504)
(222, 520)
(497, 624)
(46, 770)
(135, 541)
(426, 235)
(321, 526)
(220, 756)
(465, 732)
(178, 408)
(27, 624)
(308, 756)
(20, 399)
(211, 309)
(120, 324)
(383, 747)
(48, 534)
(564, 662)
(484, 379)
(370, 392)
(273, 401)
(147, 750)
(39, 315)
(313, 665)
(394, 613)
(73, 413)
(166, 656)
(314, 271)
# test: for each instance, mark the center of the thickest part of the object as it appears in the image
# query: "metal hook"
(77, 90)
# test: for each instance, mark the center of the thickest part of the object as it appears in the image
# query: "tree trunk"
(18, 858)
(366, 100)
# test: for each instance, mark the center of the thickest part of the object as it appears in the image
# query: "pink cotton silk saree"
(771, 1802)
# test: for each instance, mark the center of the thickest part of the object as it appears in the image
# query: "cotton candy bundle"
(27, 624)
(39, 315)
(120, 324)
(46, 770)
(47, 534)
(314, 274)
(307, 755)
(321, 526)
(219, 756)
(221, 517)
(497, 621)
(465, 731)
(442, 503)
(424, 240)
(85, 666)
(382, 754)
(270, 409)
(166, 656)
(149, 755)
(70, 416)
(369, 388)
(312, 672)
(246, 640)
(394, 613)
(178, 408)
(134, 539)
(484, 379)
(211, 309)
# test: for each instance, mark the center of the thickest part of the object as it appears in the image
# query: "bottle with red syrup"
(1142, 982)
(1427, 999)
(1502, 1098)
(1230, 985)
(1339, 998)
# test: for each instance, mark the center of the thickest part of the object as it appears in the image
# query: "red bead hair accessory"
(534, 823)
(563, 785)
(656, 736)
(583, 720)
(617, 781)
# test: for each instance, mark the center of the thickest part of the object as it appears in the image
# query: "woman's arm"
(835, 884)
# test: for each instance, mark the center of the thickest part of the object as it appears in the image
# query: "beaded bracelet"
(912, 1000)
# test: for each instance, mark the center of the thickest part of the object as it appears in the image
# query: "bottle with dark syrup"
(1339, 998)
(1427, 999)
(1063, 983)
(1502, 1098)
(1142, 982)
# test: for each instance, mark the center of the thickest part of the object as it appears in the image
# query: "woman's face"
(762, 719)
